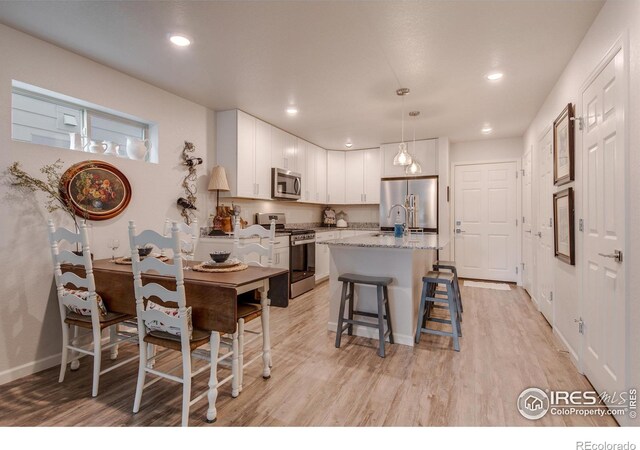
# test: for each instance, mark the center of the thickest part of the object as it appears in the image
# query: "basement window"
(44, 117)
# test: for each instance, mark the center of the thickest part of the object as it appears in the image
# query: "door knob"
(458, 231)
(527, 231)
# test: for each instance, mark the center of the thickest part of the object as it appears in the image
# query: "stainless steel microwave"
(285, 184)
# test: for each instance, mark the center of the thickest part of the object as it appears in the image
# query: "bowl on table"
(219, 256)
(144, 251)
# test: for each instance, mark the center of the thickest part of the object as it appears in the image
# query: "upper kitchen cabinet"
(321, 174)
(336, 177)
(424, 152)
(242, 143)
(283, 150)
(362, 181)
(301, 156)
(372, 159)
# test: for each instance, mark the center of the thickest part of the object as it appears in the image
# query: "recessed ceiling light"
(486, 130)
(495, 76)
(292, 110)
(348, 145)
(179, 40)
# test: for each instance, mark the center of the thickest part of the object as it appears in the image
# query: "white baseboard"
(372, 333)
(30, 368)
(573, 356)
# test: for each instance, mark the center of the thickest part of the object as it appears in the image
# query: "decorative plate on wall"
(96, 189)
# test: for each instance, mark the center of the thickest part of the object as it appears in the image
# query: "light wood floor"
(506, 346)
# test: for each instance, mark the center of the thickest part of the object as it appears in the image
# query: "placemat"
(126, 260)
(203, 267)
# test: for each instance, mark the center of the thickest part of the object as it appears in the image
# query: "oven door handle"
(307, 241)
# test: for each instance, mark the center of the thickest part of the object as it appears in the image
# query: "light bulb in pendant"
(402, 158)
(413, 168)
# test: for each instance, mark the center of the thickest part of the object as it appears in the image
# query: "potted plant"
(50, 185)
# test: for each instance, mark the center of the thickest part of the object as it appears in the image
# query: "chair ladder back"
(60, 257)
(148, 290)
(240, 250)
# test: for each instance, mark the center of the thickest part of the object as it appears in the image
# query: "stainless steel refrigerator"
(419, 195)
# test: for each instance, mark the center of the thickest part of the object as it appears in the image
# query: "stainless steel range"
(302, 253)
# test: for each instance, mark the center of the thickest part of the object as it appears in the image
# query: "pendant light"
(402, 158)
(415, 167)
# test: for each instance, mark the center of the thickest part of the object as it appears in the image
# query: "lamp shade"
(218, 180)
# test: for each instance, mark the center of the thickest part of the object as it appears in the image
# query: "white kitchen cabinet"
(425, 152)
(309, 180)
(336, 177)
(246, 154)
(362, 183)
(301, 157)
(322, 254)
(372, 174)
(280, 252)
(354, 177)
(283, 150)
(321, 175)
(241, 151)
(263, 160)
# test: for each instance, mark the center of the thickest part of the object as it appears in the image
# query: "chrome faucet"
(406, 212)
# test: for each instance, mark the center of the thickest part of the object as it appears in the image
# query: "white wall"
(486, 150)
(614, 20)
(30, 322)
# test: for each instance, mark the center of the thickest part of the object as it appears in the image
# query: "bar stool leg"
(453, 311)
(388, 311)
(380, 322)
(423, 301)
(343, 299)
(351, 298)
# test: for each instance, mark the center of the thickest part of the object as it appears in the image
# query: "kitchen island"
(405, 259)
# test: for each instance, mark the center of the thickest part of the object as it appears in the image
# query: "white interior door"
(527, 224)
(485, 221)
(544, 228)
(604, 228)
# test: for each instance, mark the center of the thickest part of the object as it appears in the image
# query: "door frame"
(621, 44)
(452, 214)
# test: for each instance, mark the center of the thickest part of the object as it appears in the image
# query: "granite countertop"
(354, 228)
(417, 241)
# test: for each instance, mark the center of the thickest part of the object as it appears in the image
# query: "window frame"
(86, 112)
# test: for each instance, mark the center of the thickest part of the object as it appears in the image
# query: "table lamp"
(218, 182)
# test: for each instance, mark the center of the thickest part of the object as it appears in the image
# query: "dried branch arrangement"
(50, 186)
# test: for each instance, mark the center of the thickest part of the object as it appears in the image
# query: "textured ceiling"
(338, 62)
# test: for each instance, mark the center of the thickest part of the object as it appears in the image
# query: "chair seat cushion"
(249, 311)
(84, 295)
(111, 318)
(157, 325)
(198, 338)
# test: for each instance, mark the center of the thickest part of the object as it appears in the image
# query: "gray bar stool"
(451, 266)
(348, 282)
(429, 296)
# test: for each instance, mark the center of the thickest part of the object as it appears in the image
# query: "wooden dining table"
(212, 296)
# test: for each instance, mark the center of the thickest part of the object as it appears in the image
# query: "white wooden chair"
(188, 346)
(189, 235)
(85, 301)
(250, 311)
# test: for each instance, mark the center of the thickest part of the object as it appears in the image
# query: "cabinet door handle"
(365, 198)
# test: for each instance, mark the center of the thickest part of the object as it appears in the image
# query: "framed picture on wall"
(563, 226)
(563, 142)
(95, 189)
